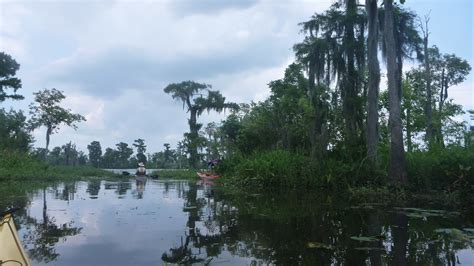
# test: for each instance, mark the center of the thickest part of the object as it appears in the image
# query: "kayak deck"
(11, 249)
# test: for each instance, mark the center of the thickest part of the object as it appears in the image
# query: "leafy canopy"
(8, 69)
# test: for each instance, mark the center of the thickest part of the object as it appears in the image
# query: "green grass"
(18, 166)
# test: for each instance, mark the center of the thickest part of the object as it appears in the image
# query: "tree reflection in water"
(282, 228)
(43, 235)
(277, 228)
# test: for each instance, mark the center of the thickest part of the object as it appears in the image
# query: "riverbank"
(175, 174)
(445, 176)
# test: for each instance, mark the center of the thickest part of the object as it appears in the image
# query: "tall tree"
(445, 71)
(314, 54)
(168, 154)
(45, 111)
(429, 136)
(397, 171)
(336, 47)
(8, 69)
(111, 158)
(374, 80)
(124, 152)
(95, 153)
(139, 144)
(194, 98)
(449, 70)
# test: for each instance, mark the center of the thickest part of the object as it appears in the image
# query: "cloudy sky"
(113, 58)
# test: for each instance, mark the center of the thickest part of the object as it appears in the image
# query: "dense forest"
(346, 113)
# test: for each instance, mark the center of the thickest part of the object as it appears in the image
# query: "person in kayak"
(141, 171)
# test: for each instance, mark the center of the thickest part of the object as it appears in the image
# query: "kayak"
(204, 175)
(11, 248)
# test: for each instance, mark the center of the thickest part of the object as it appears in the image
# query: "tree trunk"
(443, 95)
(317, 139)
(351, 82)
(193, 138)
(374, 81)
(409, 143)
(49, 130)
(428, 106)
(397, 172)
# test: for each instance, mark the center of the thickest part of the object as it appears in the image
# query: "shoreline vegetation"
(19, 166)
(444, 177)
(441, 179)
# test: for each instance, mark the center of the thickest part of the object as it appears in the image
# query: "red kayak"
(207, 175)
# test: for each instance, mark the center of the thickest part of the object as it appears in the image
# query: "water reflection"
(143, 222)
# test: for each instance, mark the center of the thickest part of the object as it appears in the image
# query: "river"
(130, 222)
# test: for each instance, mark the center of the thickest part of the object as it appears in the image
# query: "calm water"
(159, 222)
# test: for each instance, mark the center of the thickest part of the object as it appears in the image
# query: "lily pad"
(368, 238)
(369, 248)
(319, 245)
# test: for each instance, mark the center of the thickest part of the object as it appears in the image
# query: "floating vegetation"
(425, 213)
(368, 238)
(319, 245)
(370, 248)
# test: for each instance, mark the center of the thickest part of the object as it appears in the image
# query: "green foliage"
(197, 97)
(139, 144)
(280, 168)
(16, 165)
(13, 132)
(67, 155)
(123, 153)
(95, 153)
(445, 169)
(47, 112)
(8, 69)
(175, 174)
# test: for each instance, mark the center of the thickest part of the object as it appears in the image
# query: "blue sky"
(113, 58)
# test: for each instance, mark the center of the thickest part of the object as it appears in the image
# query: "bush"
(282, 168)
(441, 169)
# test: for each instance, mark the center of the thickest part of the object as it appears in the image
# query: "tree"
(14, 134)
(70, 153)
(445, 70)
(194, 98)
(8, 69)
(373, 80)
(397, 171)
(168, 154)
(139, 144)
(426, 62)
(95, 153)
(292, 113)
(111, 158)
(45, 111)
(449, 70)
(123, 152)
(335, 47)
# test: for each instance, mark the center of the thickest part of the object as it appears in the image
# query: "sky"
(112, 59)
